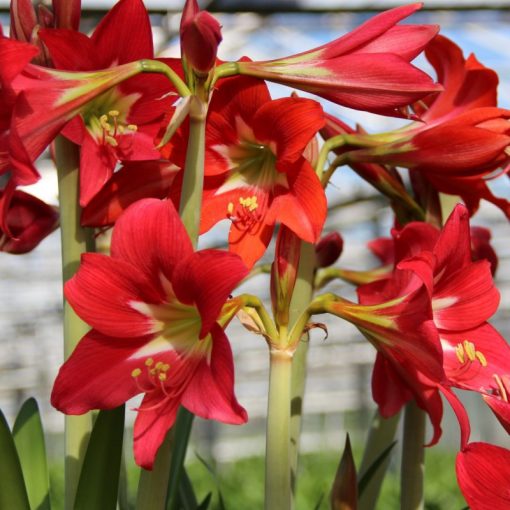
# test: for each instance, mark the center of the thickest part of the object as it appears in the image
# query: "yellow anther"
(121, 129)
(162, 376)
(149, 362)
(230, 208)
(165, 367)
(103, 118)
(481, 358)
(241, 200)
(132, 127)
(253, 206)
(152, 371)
(459, 352)
(114, 113)
(469, 348)
(109, 139)
(158, 366)
(136, 372)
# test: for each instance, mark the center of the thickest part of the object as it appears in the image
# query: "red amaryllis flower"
(463, 138)
(200, 36)
(483, 471)
(154, 306)
(29, 220)
(119, 124)
(461, 296)
(255, 171)
(367, 69)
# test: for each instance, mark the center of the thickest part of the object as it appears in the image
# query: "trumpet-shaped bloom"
(154, 307)
(463, 137)
(256, 173)
(367, 69)
(119, 124)
(453, 297)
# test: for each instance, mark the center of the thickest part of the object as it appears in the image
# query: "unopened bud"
(200, 37)
(328, 249)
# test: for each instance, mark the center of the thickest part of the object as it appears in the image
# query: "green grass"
(242, 483)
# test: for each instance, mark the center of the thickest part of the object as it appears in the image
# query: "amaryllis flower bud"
(284, 273)
(29, 221)
(328, 249)
(200, 37)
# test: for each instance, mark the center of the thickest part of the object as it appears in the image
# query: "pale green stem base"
(413, 459)
(301, 298)
(75, 241)
(278, 495)
(381, 435)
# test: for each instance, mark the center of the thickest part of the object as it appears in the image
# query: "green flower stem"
(413, 459)
(75, 241)
(381, 435)
(155, 66)
(301, 297)
(278, 495)
(192, 187)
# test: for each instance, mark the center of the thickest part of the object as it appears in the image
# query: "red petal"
(206, 278)
(465, 299)
(125, 17)
(14, 56)
(210, 393)
(103, 292)
(501, 410)
(472, 375)
(289, 123)
(303, 208)
(250, 245)
(97, 162)
(98, 374)
(465, 86)
(151, 237)
(389, 390)
(151, 426)
(70, 50)
(134, 181)
(483, 471)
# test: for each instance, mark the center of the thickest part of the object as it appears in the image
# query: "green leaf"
(205, 503)
(186, 492)
(344, 494)
(13, 495)
(99, 480)
(221, 501)
(29, 440)
(372, 470)
(319, 503)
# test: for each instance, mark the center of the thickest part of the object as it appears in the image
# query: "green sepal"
(13, 494)
(28, 437)
(99, 479)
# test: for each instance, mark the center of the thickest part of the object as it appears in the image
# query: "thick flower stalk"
(154, 307)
